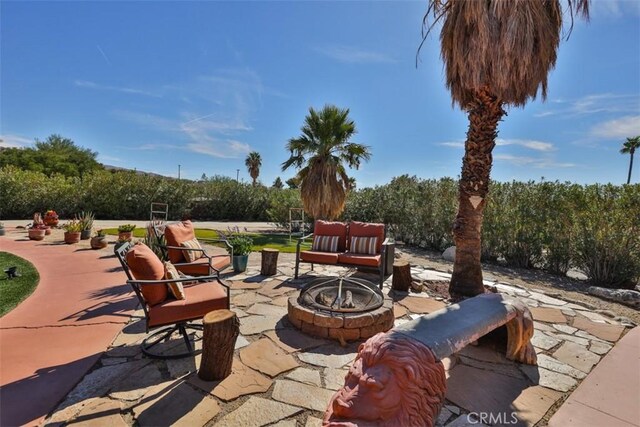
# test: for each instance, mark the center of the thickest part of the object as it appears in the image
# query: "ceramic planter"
(240, 263)
(125, 235)
(71, 237)
(85, 234)
(36, 233)
(99, 242)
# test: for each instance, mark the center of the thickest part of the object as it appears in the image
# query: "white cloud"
(614, 8)
(453, 144)
(620, 128)
(595, 103)
(218, 148)
(354, 55)
(539, 163)
(96, 86)
(527, 143)
(531, 144)
(210, 113)
(14, 141)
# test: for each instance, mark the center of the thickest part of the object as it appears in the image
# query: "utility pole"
(237, 175)
(178, 171)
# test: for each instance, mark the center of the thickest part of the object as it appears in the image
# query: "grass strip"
(14, 291)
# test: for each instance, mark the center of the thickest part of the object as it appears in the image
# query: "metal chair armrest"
(166, 281)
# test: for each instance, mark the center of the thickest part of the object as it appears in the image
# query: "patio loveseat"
(353, 244)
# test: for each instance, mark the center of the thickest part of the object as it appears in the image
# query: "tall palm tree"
(629, 147)
(496, 54)
(253, 163)
(320, 154)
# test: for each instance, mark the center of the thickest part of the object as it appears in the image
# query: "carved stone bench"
(398, 378)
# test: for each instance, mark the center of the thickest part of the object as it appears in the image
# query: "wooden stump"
(401, 276)
(221, 328)
(269, 262)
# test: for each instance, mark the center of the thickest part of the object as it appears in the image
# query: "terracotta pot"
(125, 235)
(85, 234)
(1, 231)
(47, 231)
(51, 222)
(37, 233)
(99, 242)
(71, 237)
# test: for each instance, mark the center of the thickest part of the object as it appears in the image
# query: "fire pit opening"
(342, 308)
(345, 295)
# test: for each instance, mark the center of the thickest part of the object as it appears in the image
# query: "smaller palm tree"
(253, 163)
(320, 155)
(629, 147)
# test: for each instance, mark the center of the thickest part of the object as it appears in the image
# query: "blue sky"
(150, 85)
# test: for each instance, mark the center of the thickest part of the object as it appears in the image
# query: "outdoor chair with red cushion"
(146, 275)
(176, 234)
(353, 244)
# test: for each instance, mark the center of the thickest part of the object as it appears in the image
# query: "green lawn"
(14, 291)
(260, 240)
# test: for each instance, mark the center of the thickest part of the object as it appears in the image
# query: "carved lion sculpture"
(394, 381)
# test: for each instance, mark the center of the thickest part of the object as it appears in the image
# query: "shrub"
(607, 244)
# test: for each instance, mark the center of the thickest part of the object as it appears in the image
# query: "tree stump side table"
(221, 328)
(269, 265)
(401, 280)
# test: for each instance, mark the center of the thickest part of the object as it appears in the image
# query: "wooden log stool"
(221, 328)
(269, 262)
(401, 280)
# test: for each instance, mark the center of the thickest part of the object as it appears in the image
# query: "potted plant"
(72, 231)
(125, 231)
(86, 220)
(99, 241)
(37, 230)
(50, 218)
(1, 229)
(240, 249)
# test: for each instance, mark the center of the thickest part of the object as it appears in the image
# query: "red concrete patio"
(50, 341)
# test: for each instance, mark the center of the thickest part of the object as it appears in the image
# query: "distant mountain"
(119, 169)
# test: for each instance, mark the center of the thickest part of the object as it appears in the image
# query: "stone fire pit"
(341, 308)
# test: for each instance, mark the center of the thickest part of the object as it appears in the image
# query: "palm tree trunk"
(484, 115)
(630, 167)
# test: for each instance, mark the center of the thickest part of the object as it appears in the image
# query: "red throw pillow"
(175, 234)
(145, 265)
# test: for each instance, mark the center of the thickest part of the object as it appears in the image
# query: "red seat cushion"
(319, 257)
(359, 259)
(332, 228)
(201, 268)
(176, 234)
(200, 298)
(365, 229)
(145, 265)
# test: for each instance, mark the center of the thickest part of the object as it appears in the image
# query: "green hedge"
(548, 225)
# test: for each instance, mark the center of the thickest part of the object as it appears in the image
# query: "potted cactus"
(72, 231)
(125, 231)
(99, 241)
(86, 220)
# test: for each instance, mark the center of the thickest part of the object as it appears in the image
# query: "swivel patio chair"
(145, 273)
(188, 259)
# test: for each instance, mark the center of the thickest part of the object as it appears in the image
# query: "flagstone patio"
(283, 377)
